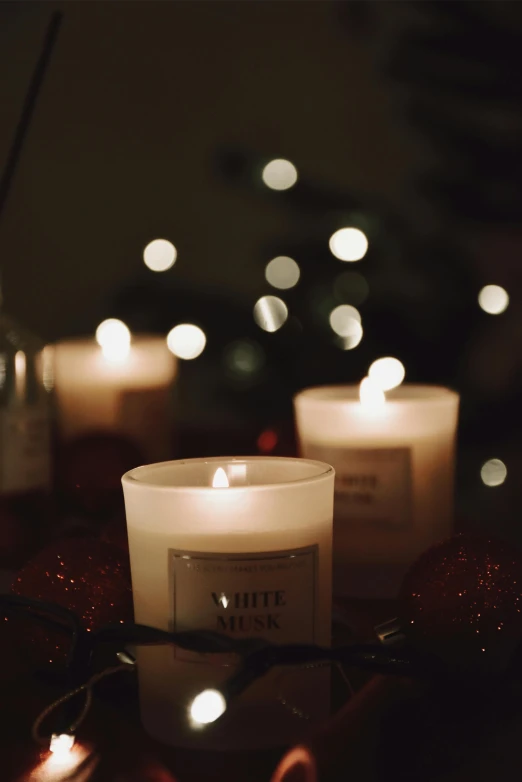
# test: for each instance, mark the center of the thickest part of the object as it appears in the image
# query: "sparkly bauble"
(89, 473)
(87, 576)
(463, 600)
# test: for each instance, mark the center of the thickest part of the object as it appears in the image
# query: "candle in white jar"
(242, 547)
(119, 384)
(394, 462)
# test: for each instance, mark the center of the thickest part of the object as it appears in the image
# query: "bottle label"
(372, 485)
(270, 595)
(25, 454)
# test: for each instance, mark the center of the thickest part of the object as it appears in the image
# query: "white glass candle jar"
(127, 394)
(242, 547)
(394, 466)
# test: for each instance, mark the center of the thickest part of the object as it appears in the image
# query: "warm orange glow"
(220, 480)
(76, 763)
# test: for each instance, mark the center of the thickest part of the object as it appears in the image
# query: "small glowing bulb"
(270, 313)
(282, 272)
(186, 341)
(220, 480)
(493, 472)
(388, 373)
(493, 299)
(279, 174)
(61, 744)
(371, 394)
(159, 255)
(348, 244)
(207, 707)
(114, 338)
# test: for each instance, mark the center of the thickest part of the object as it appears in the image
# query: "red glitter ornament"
(463, 600)
(87, 576)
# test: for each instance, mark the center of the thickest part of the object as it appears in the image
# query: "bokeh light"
(159, 255)
(341, 317)
(345, 321)
(493, 299)
(493, 472)
(387, 372)
(114, 338)
(348, 244)
(350, 340)
(279, 174)
(244, 358)
(282, 272)
(61, 743)
(267, 440)
(207, 707)
(65, 762)
(186, 341)
(270, 313)
(351, 288)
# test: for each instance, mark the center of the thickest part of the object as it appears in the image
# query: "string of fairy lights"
(255, 658)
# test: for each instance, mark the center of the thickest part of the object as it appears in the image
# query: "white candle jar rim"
(410, 393)
(251, 473)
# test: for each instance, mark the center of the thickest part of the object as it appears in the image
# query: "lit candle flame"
(207, 707)
(371, 394)
(61, 744)
(220, 480)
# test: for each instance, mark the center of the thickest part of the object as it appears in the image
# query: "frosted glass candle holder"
(127, 395)
(242, 547)
(394, 480)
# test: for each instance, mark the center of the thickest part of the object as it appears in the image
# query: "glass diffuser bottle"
(25, 442)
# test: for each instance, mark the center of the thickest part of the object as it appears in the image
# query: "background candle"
(250, 560)
(123, 388)
(394, 463)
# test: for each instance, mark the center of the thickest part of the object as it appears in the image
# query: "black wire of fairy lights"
(255, 657)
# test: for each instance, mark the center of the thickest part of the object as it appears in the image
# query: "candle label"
(271, 595)
(372, 485)
(25, 450)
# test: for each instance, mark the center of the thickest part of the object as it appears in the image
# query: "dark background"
(402, 118)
